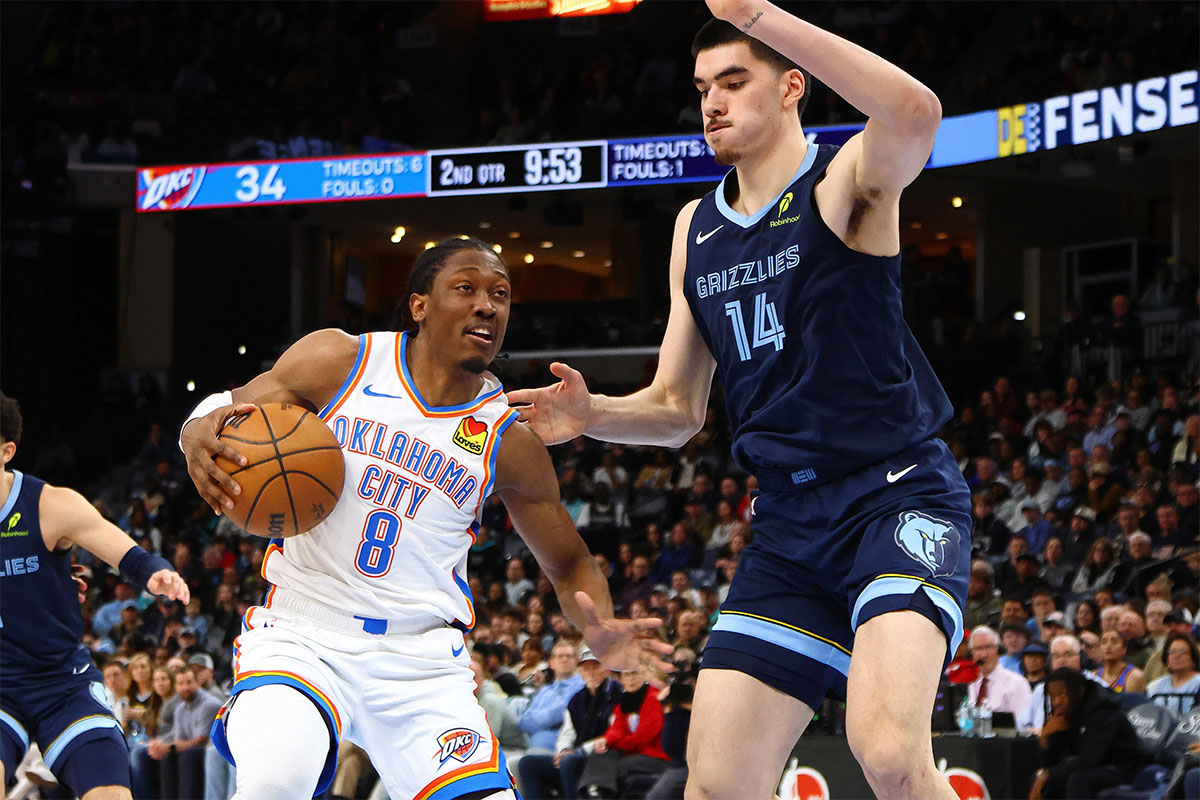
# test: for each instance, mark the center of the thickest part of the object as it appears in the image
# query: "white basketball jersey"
(396, 545)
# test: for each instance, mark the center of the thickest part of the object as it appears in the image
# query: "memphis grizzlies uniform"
(833, 408)
(50, 691)
(367, 611)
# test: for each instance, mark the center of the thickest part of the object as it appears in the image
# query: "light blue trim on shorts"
(73, 730)
(895, 585)
(785, 637)
(11, 722)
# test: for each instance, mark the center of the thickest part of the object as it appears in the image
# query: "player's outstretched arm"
(668, 412)
(903, 114)
(69, 519)
(525, 482)
(308, 374)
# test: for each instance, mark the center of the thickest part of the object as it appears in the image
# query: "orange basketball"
(294, 471)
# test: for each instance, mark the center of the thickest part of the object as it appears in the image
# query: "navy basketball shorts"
(889, 537)
(69, 718)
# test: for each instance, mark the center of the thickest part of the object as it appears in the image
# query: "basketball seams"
(283, 469)
(289, 453)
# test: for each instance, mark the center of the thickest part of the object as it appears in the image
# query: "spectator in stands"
(1103, 493)
(631, 749)
(533, 661)
(187, 737)
(1048, 410)
(108, 615)
(1139, 565)
(1100, 569)
(1169, 536)
(503, 722)
(584, 723)
(1100, 431)
(516, 585)
(145, 771)
(1033, 663)
(1015, 638)
(544, 716)
(983, 601)
(1066, 651)
(1177, 689)
(1115, 670)
(1055, 571)
(1187, 502)
(1139, 412)
(1041, 603)
(139, 693)
(1187, 449)
(639, 586)
(1132, 628)
(1004, 689)
(1053, 484)
(1087, 743)
(1036, 529)
(679, 553)
(1007, 573)
(989, 536)
(610, 474)
(1087, 617)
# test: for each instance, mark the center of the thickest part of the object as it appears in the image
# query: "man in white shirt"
(1003, 689)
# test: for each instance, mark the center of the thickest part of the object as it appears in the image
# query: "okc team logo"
(160, 190)
(459, 744)
(930, 542)
(471, 435)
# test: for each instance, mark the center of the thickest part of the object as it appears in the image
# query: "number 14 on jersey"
(767, 329)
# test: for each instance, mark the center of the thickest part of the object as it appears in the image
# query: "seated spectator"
(631, 747)
(983, 601)
(138, 695)
(1087, 617)
(1015, 638)
(1003, 689)
(1041, 602)
(679, 553)
(1100, 569)
(145, 775)
(676, 698)
(1055, 571)
(1115, 670)
(187, 738)
(1132, 628)
(1066, 651)
(501, 718)
(516, 584)
(1036, 529)
(1006, 573)
(989, 536)
(544, 716)
(584, 723)
(691, 630)
(1087, 743)
(681, 587)
(1177, 689)
(639, 586)
(1033, 663)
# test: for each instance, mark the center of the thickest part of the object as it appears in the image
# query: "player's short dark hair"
(427, 266)
(10, 419)
(717, 32)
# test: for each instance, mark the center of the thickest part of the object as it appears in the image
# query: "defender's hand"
(735, 12)
(624, 644)
(201, 446)
(168, 583)
(556, 413)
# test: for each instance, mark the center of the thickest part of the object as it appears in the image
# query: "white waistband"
(297, 603)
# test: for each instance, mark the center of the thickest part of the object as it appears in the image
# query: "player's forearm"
(876, 87)
(647, 417)
(582, 576)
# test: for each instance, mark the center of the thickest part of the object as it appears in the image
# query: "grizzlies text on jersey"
(822, 375)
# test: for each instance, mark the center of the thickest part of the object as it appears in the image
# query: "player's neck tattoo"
(747, 26)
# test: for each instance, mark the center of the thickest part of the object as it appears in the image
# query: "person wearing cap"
(1036, 529)
(202, 664)
(1055, 624)
(108, 615)
(1080, 535)
(1033, 663)
(1053, 483)
(1066, 652)
(585, 720)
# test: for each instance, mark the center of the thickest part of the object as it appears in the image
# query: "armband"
(139, 566)
(206, 406)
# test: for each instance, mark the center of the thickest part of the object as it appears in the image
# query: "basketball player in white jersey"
(362, 635)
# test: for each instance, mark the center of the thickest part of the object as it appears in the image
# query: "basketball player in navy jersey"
(786, 280)
(50, 691)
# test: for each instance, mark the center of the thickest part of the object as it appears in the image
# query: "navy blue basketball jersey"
(40, 621)
(822, 375)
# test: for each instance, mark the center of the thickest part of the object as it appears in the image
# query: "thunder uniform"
(833, 407)
(50, 691)
(368, 609)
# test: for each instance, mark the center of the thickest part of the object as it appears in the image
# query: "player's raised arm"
(668, 412)
(526, 483)
(308, 374)
(903, 114)
(68, 518)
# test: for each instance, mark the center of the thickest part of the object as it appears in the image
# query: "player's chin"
(474, 364)
(726, 156)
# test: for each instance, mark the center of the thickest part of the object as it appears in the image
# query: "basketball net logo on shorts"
(459, 744)
(166, 191)
(930, 542)
(471, 435)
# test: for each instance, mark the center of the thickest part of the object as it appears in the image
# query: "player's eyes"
(736, 84)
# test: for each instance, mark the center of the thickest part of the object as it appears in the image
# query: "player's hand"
(201, 445)
(556, 413)
(625, 644)
(168, 583)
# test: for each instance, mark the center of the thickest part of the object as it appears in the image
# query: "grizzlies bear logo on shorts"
(929, 541)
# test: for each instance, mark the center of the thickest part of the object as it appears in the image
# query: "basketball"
(293, 474)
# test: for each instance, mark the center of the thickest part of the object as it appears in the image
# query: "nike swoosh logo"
(892, 477)
(456, 651)
(701, 238)
(79, 670)
(367, 391)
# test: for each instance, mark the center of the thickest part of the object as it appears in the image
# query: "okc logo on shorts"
(928, 541)
(459, 744)
(471, 435)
